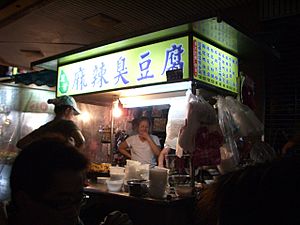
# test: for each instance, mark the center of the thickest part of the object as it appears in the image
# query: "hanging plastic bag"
(228, 128)
(200, 113)
(188, 131)
(244, 118)
(176, 119)
(208, 141)
(228, 162)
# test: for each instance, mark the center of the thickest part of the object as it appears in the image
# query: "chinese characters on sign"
(134, 67)
(214, 66)
(173, 58)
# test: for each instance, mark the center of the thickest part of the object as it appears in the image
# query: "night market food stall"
(153, 73)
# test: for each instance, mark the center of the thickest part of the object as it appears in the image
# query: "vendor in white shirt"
(143, 147)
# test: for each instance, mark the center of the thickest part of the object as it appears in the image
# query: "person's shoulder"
(68, 123)
(155, 139)
(45, 125)
(65, 121)
(154, 136)
(62, 126)
(42, 129)
(132, 137)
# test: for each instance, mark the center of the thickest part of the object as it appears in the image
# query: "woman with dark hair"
(144, 147)
(65, 109)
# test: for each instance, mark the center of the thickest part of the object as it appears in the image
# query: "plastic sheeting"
(90, 122)
(24, 109)
(21, 111)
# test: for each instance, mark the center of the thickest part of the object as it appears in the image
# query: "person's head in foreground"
(47, 181)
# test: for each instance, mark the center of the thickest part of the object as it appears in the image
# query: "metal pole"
(112, 132)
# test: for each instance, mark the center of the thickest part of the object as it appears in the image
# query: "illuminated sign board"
(214, 66)
(129, 68)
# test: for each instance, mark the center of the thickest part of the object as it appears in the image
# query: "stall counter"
(142, 211)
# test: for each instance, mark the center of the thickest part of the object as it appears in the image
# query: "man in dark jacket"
(65, 109)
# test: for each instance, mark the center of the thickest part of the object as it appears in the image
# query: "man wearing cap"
(65, 109)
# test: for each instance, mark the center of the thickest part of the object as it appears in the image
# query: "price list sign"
(214, 66)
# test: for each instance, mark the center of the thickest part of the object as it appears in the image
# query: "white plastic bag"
(200, 113)
(228, 128)
(176, 119)
(244, 118)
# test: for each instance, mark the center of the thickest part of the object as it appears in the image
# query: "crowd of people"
(49, 175)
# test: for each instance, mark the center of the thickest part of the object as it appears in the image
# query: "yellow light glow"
(117, 112)
(85, 117)
(117, 108)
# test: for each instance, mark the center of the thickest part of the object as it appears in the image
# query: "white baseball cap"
(65, 100)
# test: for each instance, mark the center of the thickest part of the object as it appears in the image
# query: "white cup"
(158, 178)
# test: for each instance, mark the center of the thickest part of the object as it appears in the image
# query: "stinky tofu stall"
(154, 69)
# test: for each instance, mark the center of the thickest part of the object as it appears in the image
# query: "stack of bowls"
(117, 173)
(116, 180)
(114, 185)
